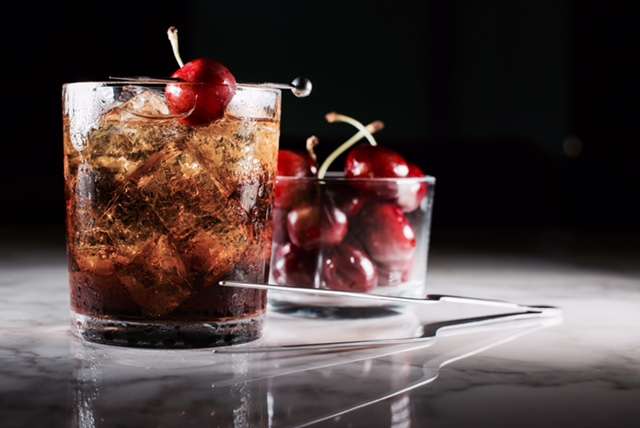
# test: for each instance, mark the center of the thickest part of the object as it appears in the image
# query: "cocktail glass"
(158, 212)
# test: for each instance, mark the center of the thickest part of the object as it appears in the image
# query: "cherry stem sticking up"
(172, 33)
(312, 142)
(337, 117)
(363, 132)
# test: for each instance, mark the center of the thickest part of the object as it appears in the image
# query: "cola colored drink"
(158, 212)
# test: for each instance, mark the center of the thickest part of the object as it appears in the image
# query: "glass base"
(311, 310)
(342, 307)
(166, 334)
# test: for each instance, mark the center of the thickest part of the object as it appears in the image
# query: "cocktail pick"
(300, 86)
(428, 299)
(544, 315)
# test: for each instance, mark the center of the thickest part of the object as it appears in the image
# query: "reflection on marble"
(246, 390)
(498, 374)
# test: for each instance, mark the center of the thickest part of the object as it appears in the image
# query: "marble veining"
(583, 371)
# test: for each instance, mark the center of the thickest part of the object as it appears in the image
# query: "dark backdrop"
(525, 111)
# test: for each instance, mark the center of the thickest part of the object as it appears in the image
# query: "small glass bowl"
(361, 235)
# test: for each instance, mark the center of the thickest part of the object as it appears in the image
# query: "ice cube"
(122, 139)
(255, 103)
(109, 244)
(90, 106)
(95, 259)
(183, 193)
(138, 104)
(108, 223)
(156, 278)
(84, 104)
(215, 252)
(120, 149)
(237, 150)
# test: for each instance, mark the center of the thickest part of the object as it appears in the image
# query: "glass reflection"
(200, 387)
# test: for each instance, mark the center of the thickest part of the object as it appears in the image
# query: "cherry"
(412, 192)
(207, 89)
(294, 266)
(363, 132)
(366, 161)
(351, 203)
(342, 195)
(279, 224)
(288, 191)
(294, 164)
(312, 225)
(348, 268)
(387, 235)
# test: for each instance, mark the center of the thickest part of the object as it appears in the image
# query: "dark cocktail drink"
(160, 209)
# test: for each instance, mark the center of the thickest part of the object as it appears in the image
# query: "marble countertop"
(581, 371)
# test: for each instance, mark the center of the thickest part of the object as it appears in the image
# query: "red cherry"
(279, 224)
(347, 268)
(316, 225)
(412, 192)
(292, 164)
(352, 204)
(294, 266)
(366, 161)
(208, 90)
(387, 235)
(416, 171)
(340, 194)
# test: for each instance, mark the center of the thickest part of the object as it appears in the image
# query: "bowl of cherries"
(363, 229)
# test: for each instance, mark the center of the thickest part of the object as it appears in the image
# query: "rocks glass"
(158, 212)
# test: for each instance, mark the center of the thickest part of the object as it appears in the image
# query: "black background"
(483, 95)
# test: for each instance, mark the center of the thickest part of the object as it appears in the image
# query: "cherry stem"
(172, 33)
(364, 132)
(337, 117)
(312, 142)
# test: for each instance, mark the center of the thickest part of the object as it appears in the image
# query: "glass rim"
(157, 84)
(336, 176)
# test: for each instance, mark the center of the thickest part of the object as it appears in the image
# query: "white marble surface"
(582, 372)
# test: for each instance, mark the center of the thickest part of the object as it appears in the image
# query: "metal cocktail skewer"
(526, 313)
(428, 299)
(300, 86)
